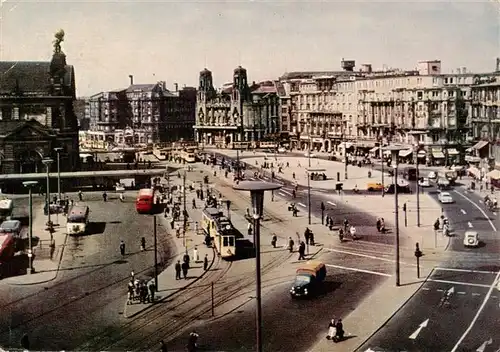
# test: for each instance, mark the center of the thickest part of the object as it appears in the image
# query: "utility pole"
(156, 252)
(184, 211)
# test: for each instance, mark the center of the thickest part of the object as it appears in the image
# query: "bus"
(144, 203)
(6, 207)
(77, 220)
(188, 155)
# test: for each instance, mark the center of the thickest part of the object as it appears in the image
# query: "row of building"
(452, 116)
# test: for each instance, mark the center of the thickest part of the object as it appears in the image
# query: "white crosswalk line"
(302, 205)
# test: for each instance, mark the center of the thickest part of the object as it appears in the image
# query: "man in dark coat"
(205, 262)
(302, 250)
(185, 267)
(178, 270)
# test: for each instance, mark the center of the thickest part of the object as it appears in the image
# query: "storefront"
(436, 157)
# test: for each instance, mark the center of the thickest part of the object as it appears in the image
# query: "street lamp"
(47, 163)
(58, 150)
(394, 149)
(30, 185)
(309, 171)
(417, 150)
(257, 189)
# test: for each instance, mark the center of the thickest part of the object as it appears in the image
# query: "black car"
(401, 189)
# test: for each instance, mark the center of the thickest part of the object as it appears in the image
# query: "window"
(225, 241)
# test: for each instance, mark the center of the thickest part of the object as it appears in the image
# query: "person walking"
(143, 244)
(290, 244)
(332, 330)
(80, 195)
(122, 247)
(205, 262)
(130, 294)
(178, 270)
(186, 258)
(194, 203)
(274, 240)
(185, 268)
(307, 235)
(152, 289)
(302, 250)
(52, 248)
(196, 256)
(249, 229)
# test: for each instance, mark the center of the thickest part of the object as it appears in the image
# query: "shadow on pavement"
(95, 228)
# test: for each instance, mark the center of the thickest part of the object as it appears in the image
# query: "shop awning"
(452, 151)
(480, 145)
(405, 153)
(374, 149)
(474, 171)
(468, 150)
(494, 174)
(437, 154)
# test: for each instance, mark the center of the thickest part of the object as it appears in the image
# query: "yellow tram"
(222, 232)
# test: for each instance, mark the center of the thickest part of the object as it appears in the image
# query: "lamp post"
(58, 150)
(47, 162)
(394, 149)
(30, 185)
(257, 189)
(417, 150)
(309, 171)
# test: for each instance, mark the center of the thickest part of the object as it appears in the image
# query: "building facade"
(36, 114)
(238, 115)
(368, 109)
(140, 115)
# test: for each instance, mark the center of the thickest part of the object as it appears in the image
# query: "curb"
(41, 272)
(149, 305)
(396, 312)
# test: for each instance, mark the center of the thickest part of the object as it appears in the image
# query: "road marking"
(359, 270)
(478, 207)
(332, 203)
(480, 201)
(476, 294)
(440, 290)
(483, 346)
(302, 205)
(425, 288)
(282, 194)
(366, 256)
(461, 293)
(420, 327)
(463, 211)
(466, 270)
(457, 283)
(285, 191)
(470, 225)
(481, 308)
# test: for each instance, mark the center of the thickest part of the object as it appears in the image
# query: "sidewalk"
(167, 284)
(45, 267)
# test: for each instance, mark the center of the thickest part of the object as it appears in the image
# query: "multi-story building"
(485, 119)
(36, 114)
(139, 115)
(237, 115)
(370, 109)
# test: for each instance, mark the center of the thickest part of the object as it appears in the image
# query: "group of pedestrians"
(139, 290)
(182, 268)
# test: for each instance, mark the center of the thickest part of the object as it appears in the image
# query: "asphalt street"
(289, 324)
(427, 323)
(87, 296)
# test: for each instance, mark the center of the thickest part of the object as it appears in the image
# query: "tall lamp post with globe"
(30, 185)
(47, 162)
(257, 189)
(417, 150)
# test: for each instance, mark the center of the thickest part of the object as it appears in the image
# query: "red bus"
(145, 200)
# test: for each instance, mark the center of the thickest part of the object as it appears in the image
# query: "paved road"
(87, 295)
(289, 324)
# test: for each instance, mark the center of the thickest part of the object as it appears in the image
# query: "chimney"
(131, 79)
(176, 87)
(498, 65)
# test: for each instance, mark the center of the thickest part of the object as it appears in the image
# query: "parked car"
(306, 154)
(402, 188)
(471, 239)
(281, 150)
(445, 198)
(374, 186)
(432, 175)
(424, 182)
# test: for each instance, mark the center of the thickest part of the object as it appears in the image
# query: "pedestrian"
(122, 247)
(290, 244)
(311, 238)
(379, 224)
(340, 330)
(172, 223)
(152, 289)
(178, 270)
(274, 240)
(143, 244)
(132, 275)
(302, 250)
(144, 293)
(194, 204)
(205, 262)
(25, 342)
(130, 294)
(249, 229)
(186, 258)
(52, 248)
(185, 268)
(332, 330)
(307, 235)
(163, 346)
(293, 175)
(196, 256)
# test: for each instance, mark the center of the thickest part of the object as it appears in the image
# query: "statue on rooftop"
(57, 42)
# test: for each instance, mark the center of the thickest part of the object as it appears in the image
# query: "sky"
(172, 41)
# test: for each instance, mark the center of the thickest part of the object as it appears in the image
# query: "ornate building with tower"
(237, 115)
(36, 113)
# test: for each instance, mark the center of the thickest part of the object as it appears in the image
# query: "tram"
(224, 235)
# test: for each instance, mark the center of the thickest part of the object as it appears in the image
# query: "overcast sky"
(174, 40)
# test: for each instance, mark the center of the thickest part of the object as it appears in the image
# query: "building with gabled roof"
(36, 114)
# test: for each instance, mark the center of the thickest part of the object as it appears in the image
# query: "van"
(309, 277)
